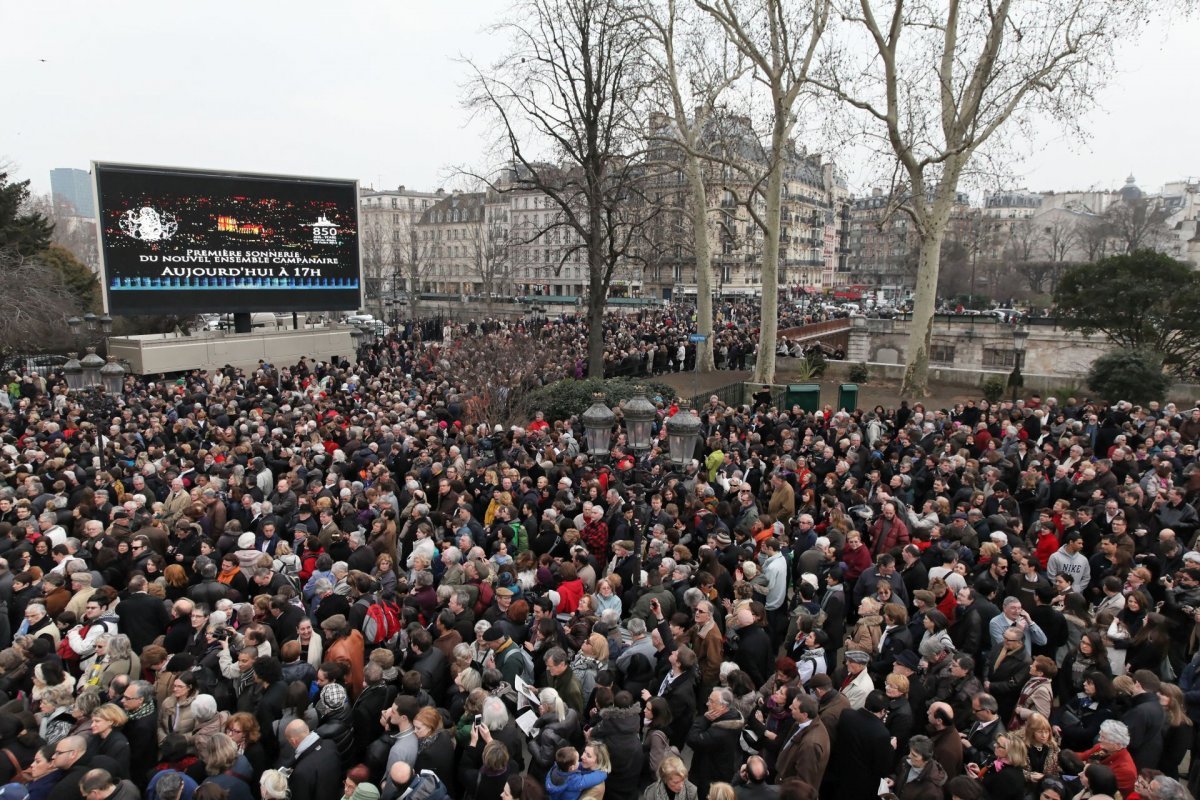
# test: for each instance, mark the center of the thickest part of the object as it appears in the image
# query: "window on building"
(999, 357)
(941, 353)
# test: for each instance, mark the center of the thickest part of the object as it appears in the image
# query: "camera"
(221, 634)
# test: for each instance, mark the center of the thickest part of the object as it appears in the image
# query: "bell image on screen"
(181, 241)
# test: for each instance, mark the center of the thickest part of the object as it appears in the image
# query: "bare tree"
(693, 67)
(1093, 234)
(1060, 237)
(780, 40)
(569, 93)
(35, 303)
(937, 80)
(1137, 223)
(491, 255)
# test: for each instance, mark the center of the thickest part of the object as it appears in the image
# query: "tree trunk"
(704, 311)
(764, 366)
(597, 295)
(916, 370)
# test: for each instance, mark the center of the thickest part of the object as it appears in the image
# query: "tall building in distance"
(72, 192)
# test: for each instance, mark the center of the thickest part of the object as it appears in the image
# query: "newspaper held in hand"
(526, 695)
(526, 720)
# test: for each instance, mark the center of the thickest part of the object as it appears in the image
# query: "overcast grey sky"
(371, 91)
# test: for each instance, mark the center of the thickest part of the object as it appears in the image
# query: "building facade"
(814, 217)
(393, 259)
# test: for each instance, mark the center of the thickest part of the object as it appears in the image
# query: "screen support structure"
(241, 322)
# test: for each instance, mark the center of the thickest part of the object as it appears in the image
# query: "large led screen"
(177, 241)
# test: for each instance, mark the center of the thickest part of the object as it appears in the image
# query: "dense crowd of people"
(347, 580)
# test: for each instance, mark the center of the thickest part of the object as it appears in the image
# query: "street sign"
(696, 338)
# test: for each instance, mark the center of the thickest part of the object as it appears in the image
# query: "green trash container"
(805, 395)
(847, 396)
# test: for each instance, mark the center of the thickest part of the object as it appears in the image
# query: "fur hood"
(622, 720)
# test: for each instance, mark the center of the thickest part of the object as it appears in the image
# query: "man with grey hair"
(1014, 615)
(1164, 788)
(714, 739)
(54, 533)
(138, 702)
(39, 624)
(362, 557)
(640, 644)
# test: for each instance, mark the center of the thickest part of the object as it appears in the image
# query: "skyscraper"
(73, 188)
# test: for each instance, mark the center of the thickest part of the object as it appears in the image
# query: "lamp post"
(1020, 340)
(683, 430)
(93, 382)
(639, 420)
(597, 426)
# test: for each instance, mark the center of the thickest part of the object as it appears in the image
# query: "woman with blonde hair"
(672, 783)
(1041, 750)
(595, 758)
(1177, 735)
(721, 791)
(869, 628)
(591, 658)
(107, 720)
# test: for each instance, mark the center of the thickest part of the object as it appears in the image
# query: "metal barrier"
(732, 394)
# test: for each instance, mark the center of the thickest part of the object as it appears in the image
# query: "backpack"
(381, 624)
(522, 654)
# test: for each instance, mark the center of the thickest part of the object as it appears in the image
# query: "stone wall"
(982, 343)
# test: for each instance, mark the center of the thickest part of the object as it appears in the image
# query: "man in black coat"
(862, 755)
(141, 730)
(71, 761)
(268, 673)
(316, 769)
(368, 709)
(285, 619)
(209, 591)
(430, 662)
(143, 618)
(1145, 720)
(753, 649)
(714, 739)
(618, 730)
(833, 604)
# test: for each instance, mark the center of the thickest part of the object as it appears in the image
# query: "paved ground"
(871, 394)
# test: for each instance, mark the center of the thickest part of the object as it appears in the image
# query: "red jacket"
(857, 562)
(569, 595)
(1120, 762)
(897, 535)
(1047, 546)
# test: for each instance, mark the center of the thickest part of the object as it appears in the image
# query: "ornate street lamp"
(91, 364)
(639, 420)
(112, 377)
(683, 431)
(1020, 340)
(368, 335)
(597, 426)
(73, 371)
